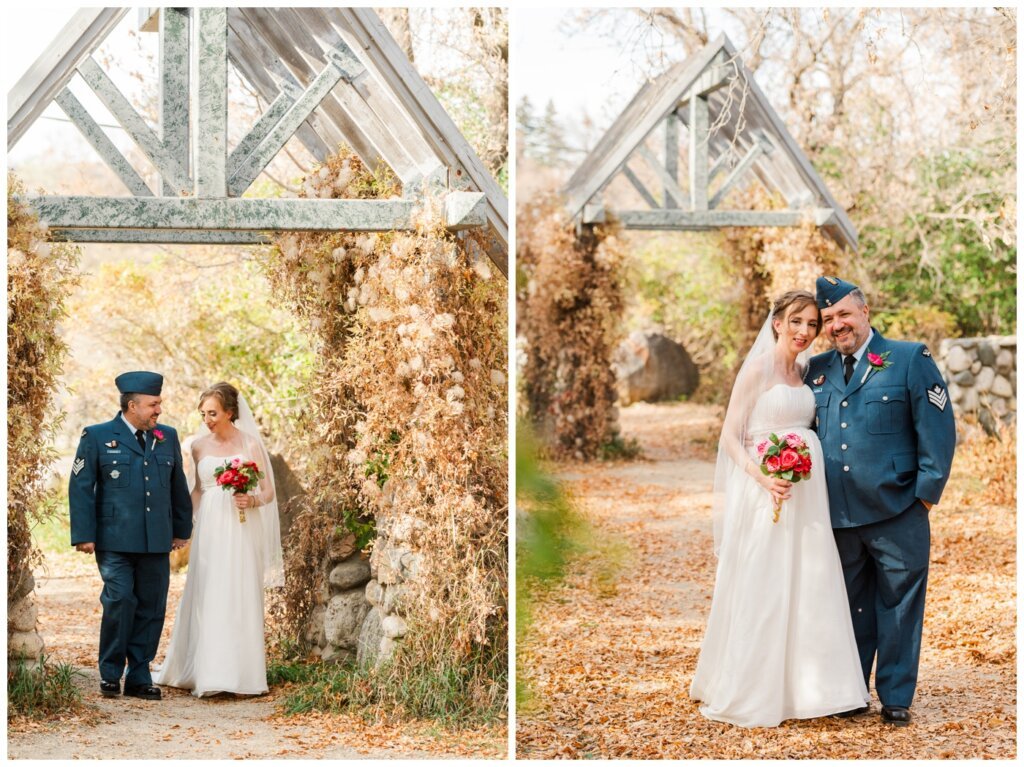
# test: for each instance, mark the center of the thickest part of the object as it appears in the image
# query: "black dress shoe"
(896, 715)
(110, 689)
(852, 712)
(145, 691)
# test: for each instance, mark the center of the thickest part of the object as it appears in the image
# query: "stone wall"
(982, 377)
(361, 612)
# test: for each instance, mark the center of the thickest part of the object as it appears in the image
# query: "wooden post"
(211, 92)
(174, 91)
(698, 124)
(671, 154)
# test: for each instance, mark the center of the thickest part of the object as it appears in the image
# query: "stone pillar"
(23, 639)
(982, 377)
(336, 620)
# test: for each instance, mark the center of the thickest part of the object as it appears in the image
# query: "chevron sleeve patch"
(938, 397)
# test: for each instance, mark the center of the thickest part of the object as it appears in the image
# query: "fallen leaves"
(610, 672)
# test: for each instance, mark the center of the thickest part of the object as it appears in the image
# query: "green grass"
(438, 695)
(42, 691)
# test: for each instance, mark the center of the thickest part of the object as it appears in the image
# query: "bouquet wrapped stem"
(238, 477)
(786, 458)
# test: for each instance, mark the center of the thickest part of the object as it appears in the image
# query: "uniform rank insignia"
(115, 474)
(925, 352)
(112, 444)
(819, 380)
(938, 397)
(832, 280)
(77, 466)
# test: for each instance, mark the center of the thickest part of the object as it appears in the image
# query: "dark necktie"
(848, 363)
(140, 435)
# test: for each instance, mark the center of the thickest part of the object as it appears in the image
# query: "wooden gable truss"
(329, 75)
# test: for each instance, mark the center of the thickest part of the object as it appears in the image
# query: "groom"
(130, 506)
(886, 428)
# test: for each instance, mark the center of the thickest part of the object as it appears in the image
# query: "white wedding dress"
(217, 644)
(779, 642)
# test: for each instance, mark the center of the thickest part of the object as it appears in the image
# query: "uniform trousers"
(134, 600)
(886, 569)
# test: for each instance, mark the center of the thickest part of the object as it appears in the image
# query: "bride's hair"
(226, 395)
(795, 300)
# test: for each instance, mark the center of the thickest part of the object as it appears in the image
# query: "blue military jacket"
(124, 500)
(888, 438)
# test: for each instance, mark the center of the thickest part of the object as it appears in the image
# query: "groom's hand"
(86, 548)
(179, 543)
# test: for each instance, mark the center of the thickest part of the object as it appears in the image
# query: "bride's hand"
(779, 489)
(244, 502)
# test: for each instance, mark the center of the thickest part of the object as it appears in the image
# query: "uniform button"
(145, 463)
(147, 508)
(846, 468)
(885, 398)
(845, 403)
(860, 609)
(147, 478)
(147, 492)
(844, 447)
(843, 424)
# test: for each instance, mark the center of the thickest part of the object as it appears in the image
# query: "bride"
(217, 644)
(779, 642)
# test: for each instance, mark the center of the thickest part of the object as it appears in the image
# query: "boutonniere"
(876, 362)
(158, 435)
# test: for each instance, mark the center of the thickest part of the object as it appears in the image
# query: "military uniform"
(130, 502)
(888, 438)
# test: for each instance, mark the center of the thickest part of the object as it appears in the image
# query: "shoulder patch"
(819, 380)
(84, 432)
(925, 352)
(938, 397)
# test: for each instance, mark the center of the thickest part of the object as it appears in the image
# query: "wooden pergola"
(329, 75)
(731, 136)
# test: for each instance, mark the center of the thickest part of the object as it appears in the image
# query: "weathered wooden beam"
(736, 174)
(297, 113)
(716, 75)
(174, 83)
(594, 213)
(109, 153)
(259, 215)
(462, 210)
(166, 163)
(671, 187)
(270, 91)
(671, 154)
(54, 68)
(211, 94)
(698, 125)
(668, 220)
(465, 210)
(162, 236)
(391, 67)
(259, 131)
(639, 186)
(720, 164)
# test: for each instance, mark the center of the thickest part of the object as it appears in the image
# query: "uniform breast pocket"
(821, 401)
(886, 410)
(165, 465)
(114, 472)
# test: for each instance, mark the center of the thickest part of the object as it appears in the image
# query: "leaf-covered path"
(610, 659)
(183, 727)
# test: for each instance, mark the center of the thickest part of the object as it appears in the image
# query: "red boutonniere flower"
(158, 435)
(876, 362)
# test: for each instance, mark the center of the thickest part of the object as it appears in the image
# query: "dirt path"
(610, 659)
(183, 727)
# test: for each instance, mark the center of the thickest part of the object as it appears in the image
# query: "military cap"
(832, 290)
(140, 382)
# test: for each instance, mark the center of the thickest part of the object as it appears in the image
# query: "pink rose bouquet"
(786, 458)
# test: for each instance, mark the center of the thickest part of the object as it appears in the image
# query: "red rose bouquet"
(786, 458)
(239, 478)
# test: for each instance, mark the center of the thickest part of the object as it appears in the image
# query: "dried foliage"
(611, 668)
(570, 301)
(40, 275)
(407, 431)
